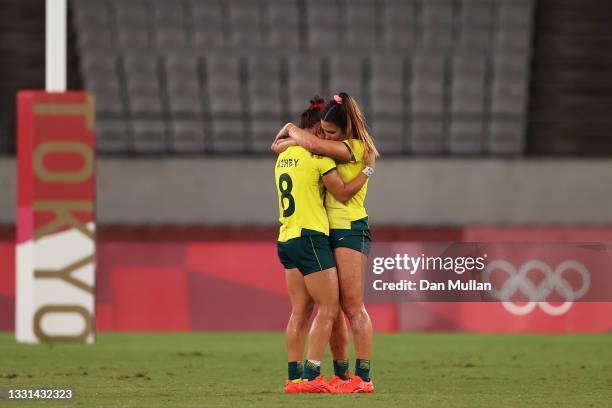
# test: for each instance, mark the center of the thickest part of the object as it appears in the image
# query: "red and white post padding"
(55, 217)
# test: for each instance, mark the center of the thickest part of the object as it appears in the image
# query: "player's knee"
(301, 314)
(353, 309)
(329, 310)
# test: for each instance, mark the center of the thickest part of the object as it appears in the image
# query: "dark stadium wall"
(426, 192)
(166, 279)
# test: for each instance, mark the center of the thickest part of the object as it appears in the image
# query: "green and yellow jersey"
(341, 215)
(300, 192)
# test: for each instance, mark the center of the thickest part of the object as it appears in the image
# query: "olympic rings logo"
(553, 282)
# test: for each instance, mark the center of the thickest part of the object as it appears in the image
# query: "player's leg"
(297, 327)
(338, 344)
(350, 265)
(301, 308)
(323, 287)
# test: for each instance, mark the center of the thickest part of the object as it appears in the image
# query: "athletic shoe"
(355, 385)
(336, 382)
(292, 387)
(368, 386)
(316, 386)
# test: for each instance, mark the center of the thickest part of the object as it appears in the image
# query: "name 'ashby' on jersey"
(287, 163)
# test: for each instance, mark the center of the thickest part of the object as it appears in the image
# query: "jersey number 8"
(285, 185)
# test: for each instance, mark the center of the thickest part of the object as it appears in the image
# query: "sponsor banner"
(170, 283)
(521, 276)
(55, 253)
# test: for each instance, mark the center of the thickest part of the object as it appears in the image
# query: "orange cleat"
(355, 385)
(292, 387)
(368, 386)
(316, 386)
(336, 382)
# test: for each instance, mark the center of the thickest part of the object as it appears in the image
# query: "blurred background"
(492, 117)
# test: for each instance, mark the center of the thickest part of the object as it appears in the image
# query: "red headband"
(319, 105)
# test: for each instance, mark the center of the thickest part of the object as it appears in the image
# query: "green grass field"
(248, 369)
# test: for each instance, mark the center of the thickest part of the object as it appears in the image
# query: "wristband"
(368, 171)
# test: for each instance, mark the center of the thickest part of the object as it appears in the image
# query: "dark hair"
(311, 116)
(343, 111)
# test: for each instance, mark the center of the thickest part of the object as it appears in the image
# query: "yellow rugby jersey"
(341, 215)
(300, 192)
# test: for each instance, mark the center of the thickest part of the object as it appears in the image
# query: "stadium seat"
(102, 84)
(282, 12)
(224, 84)
(437, 12)
(95, 37)
(282, 22)
(189, 105)
(361, 25)
(323, 24)
(388, 135)
(133, 38)
(515, 12)
(424, 71)
(283, 37)
(468, 84)
(399, 24)
(91, 14)
(228, 136)
(266, 101)
(226, 104)
(149, 136)
(505, 137)
(149, 105)
(183, 85)
(476, 13)
(475, 37)
(305, 81)
(188, 136)
(209, 36)
(426, 136)
(170, 38)
(509, 92)
(130, 13)
(387, 93)
(245, 24)
(208, 12)
(428, 86)
(513, 39)
(108, 103)
(111, 136)
(169, 13)
(466, 136)
(96, 63)
(437, 37)
(346, 75)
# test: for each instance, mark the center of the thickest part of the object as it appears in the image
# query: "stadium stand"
(204, 77)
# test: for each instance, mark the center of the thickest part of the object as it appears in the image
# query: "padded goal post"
(55, 255)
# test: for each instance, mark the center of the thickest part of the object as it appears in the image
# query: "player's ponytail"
(344, 111)
(312, 115)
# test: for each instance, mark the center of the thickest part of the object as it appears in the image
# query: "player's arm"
(281, 145)
(330, 148)
(345, 191)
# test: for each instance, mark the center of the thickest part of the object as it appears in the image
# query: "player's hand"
(283, 133)
(369, 158)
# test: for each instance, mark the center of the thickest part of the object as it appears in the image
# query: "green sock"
(295, 370)
(340, 368)
(311, 370)
(362, 369)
